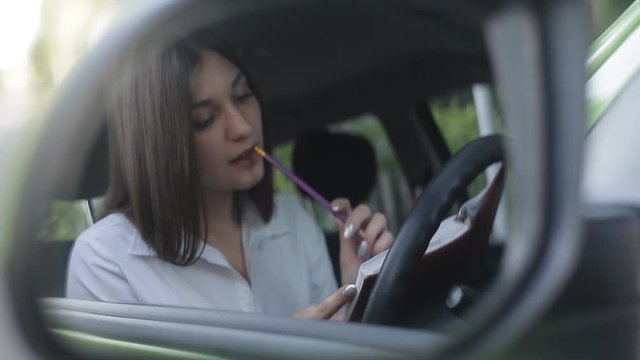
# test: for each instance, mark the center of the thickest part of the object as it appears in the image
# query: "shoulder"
(112, 226)
(289, 210)
(286, 204)
(97, 264)
(112, 232)
(289, 216)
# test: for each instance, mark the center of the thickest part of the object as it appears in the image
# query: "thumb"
(329, 306)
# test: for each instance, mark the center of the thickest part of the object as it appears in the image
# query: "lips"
(246, 156)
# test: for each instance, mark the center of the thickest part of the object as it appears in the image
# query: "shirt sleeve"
(93, 274)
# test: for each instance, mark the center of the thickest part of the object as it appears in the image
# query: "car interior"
(317, 66)
(308, 79)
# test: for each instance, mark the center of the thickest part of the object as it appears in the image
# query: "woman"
(191, 216)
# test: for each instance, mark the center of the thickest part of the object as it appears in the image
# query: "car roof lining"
(307, 53)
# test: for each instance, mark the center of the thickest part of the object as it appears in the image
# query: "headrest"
(336, 164)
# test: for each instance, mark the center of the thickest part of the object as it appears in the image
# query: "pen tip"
(259, 150)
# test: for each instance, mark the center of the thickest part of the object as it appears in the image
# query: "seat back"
(53, 255)
(335, 165)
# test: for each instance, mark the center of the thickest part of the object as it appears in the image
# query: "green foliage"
(67, 220)
(457, 119)
(284, 154)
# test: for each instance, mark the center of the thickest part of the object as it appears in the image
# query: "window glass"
(67, 220)
(456, 117)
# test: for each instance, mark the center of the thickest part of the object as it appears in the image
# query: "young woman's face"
(227, 125)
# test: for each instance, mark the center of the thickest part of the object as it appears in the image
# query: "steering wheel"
(392, 291)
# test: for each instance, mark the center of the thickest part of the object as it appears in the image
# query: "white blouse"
(287, 263)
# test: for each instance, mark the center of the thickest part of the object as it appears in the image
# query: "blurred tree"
(67, 220)
(68, 29)
(456, 117)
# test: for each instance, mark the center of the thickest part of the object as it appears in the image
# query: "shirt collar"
(137, 246)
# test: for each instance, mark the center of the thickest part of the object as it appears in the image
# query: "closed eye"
(244, 97)
(201, 125)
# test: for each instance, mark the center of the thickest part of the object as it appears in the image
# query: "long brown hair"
(153, 175)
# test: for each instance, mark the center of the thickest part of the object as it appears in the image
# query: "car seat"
(335, 165)
(52, 255)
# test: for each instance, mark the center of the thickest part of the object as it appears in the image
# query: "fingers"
(383, 242)
(376, 226)
(341, 205)
(329, 306)
(356, 220)
(362, 235)
(374, 235)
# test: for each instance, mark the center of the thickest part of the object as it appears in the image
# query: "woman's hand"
(328, 308)
(363, 235)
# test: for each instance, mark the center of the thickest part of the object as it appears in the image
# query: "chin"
(251, 180)
(247, 185)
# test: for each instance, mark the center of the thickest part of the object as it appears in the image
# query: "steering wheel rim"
(391, 292)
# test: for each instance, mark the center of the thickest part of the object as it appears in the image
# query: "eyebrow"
(207, 102)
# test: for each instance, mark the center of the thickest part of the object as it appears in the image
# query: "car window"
(67, 220)
(460, 121)
(457, 118)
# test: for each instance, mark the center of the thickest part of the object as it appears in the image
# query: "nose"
(238, 126)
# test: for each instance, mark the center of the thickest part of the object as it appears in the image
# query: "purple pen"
(308, 189)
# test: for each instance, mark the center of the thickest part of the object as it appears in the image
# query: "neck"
(220, 217)
(223, 229)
